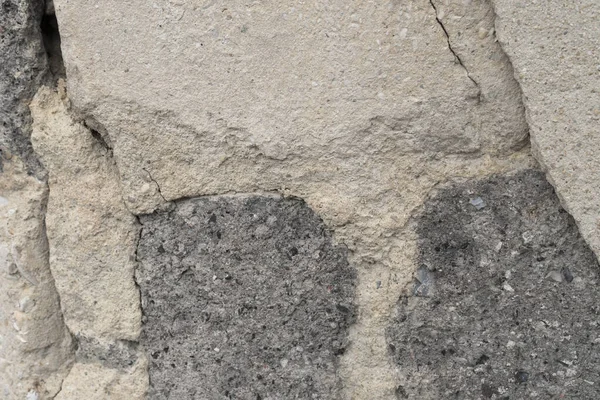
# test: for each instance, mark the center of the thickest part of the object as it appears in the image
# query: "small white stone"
(507, 287)
(527, 236)
(32, 395)
(555, 276)
(482, 33)
(26, 304)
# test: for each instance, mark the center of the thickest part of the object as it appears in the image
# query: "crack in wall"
(454, 53)
(156, 183)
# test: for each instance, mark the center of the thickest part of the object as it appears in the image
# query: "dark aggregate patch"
(505, 302)
(243, 298)
(23, 67)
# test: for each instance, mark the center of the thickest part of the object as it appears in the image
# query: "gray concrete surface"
(243, 298)
(505, 303)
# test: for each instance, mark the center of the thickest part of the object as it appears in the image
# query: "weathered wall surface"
(93, 242)
(186, 134)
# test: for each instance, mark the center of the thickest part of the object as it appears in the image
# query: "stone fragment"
(479, 329)
(92, 236)
(477, 202)
(553, 46)
(243, 297)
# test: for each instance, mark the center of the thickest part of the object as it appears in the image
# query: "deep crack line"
(441, 24)
(156, 183)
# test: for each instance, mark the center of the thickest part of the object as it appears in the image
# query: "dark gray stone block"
(505, 303)
(243, 298)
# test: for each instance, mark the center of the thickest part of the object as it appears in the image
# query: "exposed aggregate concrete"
(243, 298)
(505, 302)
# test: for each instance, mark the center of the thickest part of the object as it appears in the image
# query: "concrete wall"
(314, 200)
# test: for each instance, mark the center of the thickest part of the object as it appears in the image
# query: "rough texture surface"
(92, 240)
(469, 27)
(554, 48)
(271, 96)
(22, 69)
(36, 349)
(357, 108)
(243, 298)
(505, 299)
(92, 236)
(94, 381)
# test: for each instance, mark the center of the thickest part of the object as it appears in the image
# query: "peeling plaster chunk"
(502, 322)
(243, 297)
(302, 95)
(36, 349)
(92, 236)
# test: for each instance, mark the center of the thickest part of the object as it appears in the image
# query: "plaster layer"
(94, 381)
(36, 350)
(93, 240)
(272, 97)
(359, 109)
(470, 31)
(92, 235)
(553, 46)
